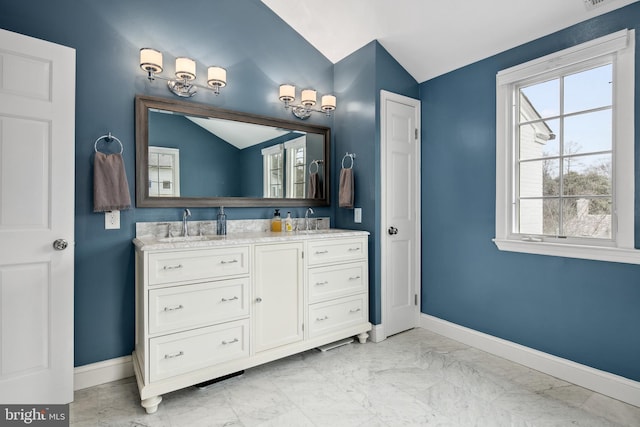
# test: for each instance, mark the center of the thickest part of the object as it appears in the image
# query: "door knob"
(392, 231)
(60, 244)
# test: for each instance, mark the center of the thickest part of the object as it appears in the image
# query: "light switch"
(357, 215)
(112, 220)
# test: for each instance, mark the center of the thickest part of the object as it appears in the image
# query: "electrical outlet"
(357, 215)
(112, 220)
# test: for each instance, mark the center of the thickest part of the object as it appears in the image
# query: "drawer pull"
(177, 307)
(354, 311)
(322, 283)
(174, 355)
(230, 299)
(233, 261)
(320, 319)
(230, 342)
(172, 267)
(354, 249)
(354, 278)
(322, 252)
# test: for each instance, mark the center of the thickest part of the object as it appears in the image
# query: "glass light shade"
(185, 68)
(328, 103)
(287, 93)
(308, 97)
(150, 60)
(216, 76)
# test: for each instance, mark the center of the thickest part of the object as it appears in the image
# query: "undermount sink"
(189, 238)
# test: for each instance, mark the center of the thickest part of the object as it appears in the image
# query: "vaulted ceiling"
(429, 38)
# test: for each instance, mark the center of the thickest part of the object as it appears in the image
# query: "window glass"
(588, 89)
(565, 169)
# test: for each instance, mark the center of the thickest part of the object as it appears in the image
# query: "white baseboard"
(376, 334)
(599, 381)
(102, 372)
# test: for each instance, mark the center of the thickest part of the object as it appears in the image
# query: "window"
(565, 150)
(273, 171)
(296, 168)
(164, 172)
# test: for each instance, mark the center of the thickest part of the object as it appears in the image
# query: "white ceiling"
(429, 38)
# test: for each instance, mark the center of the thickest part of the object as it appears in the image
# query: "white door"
(400, 234)
(277, 296)
(37, 104)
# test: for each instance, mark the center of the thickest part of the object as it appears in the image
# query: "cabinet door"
(278, 295)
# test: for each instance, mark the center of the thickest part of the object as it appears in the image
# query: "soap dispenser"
(222, 222)
(276, 222)
(288, 222)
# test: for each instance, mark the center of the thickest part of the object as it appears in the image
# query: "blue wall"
(585, 311)
(259, 51)
(358, 81)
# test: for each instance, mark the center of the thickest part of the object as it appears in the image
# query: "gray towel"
(110, 186)
(345, 197)
(315, 192)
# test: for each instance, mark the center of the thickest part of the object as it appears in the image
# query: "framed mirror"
(195, 155)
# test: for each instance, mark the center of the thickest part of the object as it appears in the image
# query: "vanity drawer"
(176, 354)
(335, 281)
(330, 316)
(338, 250)
(190, 306)
(168, 267)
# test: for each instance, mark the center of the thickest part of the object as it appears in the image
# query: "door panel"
(37, 109)
(400, 205)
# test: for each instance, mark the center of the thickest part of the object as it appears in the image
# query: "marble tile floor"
(416, 378)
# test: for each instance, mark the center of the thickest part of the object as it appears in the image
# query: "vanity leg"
(363, 337)
(151, 404)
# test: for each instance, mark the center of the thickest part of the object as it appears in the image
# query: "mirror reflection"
(195, 155)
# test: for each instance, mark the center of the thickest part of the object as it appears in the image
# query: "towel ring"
(108, 138)
(317, 164)
(351, 156)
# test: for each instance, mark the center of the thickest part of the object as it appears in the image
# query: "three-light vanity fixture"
(183, 85)
(307, 102)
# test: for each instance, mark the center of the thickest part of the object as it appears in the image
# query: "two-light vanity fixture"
(307, 102)
(183, 85)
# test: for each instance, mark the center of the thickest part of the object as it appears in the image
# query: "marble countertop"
(152, 242)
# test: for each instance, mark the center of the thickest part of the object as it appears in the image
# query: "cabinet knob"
(258, 299)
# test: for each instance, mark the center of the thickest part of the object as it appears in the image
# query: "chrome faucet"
(185, 230)
(306, 218)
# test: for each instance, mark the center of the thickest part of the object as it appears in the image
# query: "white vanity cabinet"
(278, 295)
(337, 284)
(211, 309)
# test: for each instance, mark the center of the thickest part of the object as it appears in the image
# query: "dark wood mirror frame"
(144, 103)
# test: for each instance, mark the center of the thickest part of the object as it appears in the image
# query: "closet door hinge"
(416, 133)
(415, 299)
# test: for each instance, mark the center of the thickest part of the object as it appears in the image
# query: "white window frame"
(300, 142)
(620, 46)
(266, 175)
(173, 170)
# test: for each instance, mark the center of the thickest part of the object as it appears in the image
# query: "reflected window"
(296, 168)
(273, 171)
(164, 172)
